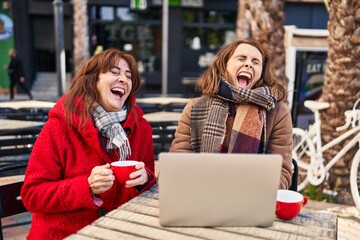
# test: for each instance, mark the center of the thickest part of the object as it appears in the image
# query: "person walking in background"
(16, 74)
(240, 110)
(69, 182)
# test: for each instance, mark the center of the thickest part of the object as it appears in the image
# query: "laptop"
(218, 189)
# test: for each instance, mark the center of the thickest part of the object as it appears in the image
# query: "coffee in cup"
(123, 169)
(289, 204)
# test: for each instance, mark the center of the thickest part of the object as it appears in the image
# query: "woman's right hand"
(101, 179)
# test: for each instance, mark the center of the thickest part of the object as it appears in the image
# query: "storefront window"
(192, 38)
(207, 30)
(204, 33)
(138, 33)
(310, 69)
(212, 17)
(190, 16)
(228, 17)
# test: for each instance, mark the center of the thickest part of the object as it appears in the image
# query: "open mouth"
(244, 79)
(118, 92)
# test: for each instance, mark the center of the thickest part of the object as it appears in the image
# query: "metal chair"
(10, 200)
(163, 134)
(150, 107)
(294, 178)
(174, 107)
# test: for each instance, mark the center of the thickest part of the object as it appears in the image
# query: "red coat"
(56, 189)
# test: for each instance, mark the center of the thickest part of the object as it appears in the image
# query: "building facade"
(197, 29)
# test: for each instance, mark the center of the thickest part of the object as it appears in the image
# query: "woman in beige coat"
(240, 110)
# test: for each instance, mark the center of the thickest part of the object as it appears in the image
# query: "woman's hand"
(138, 177)
(101, 179)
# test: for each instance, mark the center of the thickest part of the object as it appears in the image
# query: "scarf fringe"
(109, 125)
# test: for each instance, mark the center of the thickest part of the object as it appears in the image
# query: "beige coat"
(278, 136)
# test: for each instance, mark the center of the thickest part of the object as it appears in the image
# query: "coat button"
(101, 212)
(127, 130)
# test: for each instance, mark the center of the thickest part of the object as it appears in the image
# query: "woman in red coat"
(68, 182)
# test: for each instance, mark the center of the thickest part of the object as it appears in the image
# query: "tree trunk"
(81, 34)
(263, 20)
(341, 86)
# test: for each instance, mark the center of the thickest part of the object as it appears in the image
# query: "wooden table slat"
(319, 219)
(264, 233)
(303, 230)
(162, 100)
(93, 231)
(78, 236)
(27, 104)
(136, 208)
(151, 221)
(151, 194)
(135, 228)
(163, 117)
(145, 201)
(7, 124)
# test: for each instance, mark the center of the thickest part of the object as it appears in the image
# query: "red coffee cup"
(289, 204)
(122, 170)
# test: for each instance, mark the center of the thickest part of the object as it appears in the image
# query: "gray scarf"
(109, 126)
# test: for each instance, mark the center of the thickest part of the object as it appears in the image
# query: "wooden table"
(139, 219)
(26, 104)
(9, 124)
(163, 116)
(162, 100)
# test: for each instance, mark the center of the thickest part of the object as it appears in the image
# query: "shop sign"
(192, 3)
(138, 4)
(180, 3)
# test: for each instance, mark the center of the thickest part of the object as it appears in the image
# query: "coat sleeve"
(182, 139)
(280, 141)
(45, 189)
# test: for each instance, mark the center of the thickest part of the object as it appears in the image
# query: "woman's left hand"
(138, 177)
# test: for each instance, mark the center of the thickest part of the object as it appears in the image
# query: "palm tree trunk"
(263, 20)
(341, 85)
(81, 34)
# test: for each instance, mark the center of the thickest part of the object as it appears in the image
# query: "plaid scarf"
(109, 126)
(209, 116)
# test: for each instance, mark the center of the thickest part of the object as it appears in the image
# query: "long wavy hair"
(209, 80)
(83, 92)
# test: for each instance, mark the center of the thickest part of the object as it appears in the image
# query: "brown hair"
(209, 80)
(83, 92)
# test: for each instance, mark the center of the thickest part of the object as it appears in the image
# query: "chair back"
(294, 178)
(11, 183)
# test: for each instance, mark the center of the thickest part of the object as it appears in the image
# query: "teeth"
(122, 91)
(245, 74)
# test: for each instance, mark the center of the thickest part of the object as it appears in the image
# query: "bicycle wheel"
(301, 153)
(355, 179)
